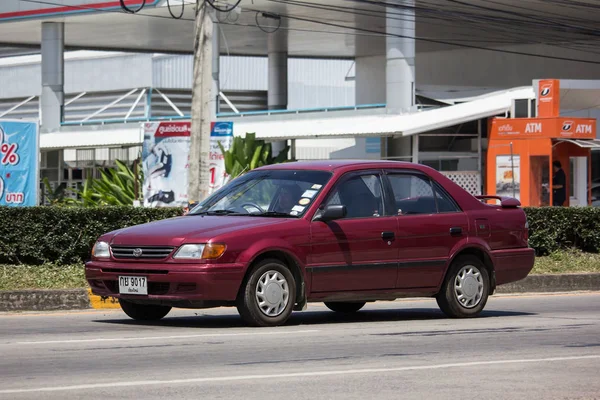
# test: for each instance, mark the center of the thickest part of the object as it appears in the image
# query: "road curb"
(553, 283)
(44, 300)
(81, 299)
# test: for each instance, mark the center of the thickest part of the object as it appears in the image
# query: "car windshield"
(268, 193)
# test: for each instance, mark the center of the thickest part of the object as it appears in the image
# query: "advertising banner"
(508, 173)
(165, 160)
(220, 132)
(19, 165)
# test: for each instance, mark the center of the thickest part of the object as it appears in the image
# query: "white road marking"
(292, 375)
(168, 337)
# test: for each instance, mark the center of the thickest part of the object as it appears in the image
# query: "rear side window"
(414, 194)
(444, 202)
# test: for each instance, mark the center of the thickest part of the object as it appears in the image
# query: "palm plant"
(248, 153)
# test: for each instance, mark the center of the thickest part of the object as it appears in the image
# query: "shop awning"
(593, 144)
(91, 138)
(318, 125)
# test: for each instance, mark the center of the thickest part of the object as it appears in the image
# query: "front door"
(358, 252)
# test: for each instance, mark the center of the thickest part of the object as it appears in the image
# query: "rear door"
(430, 224)
(358, 252)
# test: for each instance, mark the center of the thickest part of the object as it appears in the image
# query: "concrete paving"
(523, 346)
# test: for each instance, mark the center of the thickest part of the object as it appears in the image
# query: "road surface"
(523, 347)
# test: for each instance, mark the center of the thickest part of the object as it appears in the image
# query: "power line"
(455, 43)
(444, 42)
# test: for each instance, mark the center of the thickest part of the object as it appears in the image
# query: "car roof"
(333, 165)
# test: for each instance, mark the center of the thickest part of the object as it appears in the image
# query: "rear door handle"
(388, 235)
(456, 231)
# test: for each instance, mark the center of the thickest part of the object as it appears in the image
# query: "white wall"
(471, 67)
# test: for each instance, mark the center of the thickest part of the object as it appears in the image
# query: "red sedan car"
(339, 232)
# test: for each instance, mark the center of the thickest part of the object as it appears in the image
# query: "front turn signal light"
(213, 251)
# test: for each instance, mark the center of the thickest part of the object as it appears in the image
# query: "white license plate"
(133, 285)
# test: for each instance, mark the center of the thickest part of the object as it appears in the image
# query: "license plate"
(133, 285)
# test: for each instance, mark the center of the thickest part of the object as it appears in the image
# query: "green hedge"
(555, 228)
(64, 235)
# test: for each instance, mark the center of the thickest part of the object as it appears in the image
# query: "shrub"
(555, 228)
(64, 235)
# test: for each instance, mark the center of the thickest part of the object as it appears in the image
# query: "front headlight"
(190, 251)
(101, 250)
(209, 251)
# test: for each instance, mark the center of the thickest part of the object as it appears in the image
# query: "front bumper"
(175, 284)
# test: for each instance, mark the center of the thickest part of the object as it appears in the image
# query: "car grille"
(147, 252)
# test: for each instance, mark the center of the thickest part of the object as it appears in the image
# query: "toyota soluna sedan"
(340, 232)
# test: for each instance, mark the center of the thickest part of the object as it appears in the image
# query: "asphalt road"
(536, 347)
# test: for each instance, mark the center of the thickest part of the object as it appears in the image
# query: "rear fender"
(468, 245)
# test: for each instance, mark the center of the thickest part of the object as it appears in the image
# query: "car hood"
(197, 228)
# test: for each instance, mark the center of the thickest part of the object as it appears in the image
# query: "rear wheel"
(144, 312)
(268, 295)
(466, 288)
(345, 307)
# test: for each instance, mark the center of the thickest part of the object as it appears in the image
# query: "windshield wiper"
(217, 212)
(275, 214)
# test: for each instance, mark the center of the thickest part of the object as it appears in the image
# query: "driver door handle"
(456, 231)
(388, 235)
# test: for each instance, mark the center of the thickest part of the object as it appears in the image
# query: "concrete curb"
(81, 299)
(44, 300)
(553, 283)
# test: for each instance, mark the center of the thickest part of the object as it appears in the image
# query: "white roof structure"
(92, 138)
(318, 125)
(324, 125)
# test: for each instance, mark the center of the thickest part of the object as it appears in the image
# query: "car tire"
(466, 288)
(144, 312)
(268, 295)
(345, 307)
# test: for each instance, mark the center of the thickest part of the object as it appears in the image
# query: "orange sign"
(548, 98)
(532, 128)
(577, 128)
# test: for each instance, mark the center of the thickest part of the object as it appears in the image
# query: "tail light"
(526, 233)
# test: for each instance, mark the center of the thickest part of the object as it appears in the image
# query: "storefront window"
(539, 181)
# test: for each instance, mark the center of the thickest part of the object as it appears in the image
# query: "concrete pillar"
(400, 59)
(278, 78)
(216, 87)
(52, 99)
(370, 80)
(400, 73)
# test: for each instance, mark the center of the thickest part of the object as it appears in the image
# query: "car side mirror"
(331, 213)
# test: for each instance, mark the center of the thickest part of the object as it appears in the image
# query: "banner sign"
(220, 132)
(508, 176)
(165, 160)
(19, 165)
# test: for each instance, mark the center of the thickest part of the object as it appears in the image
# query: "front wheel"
(144, 312)
(345, 307)
(268, 295)
(465, 290)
